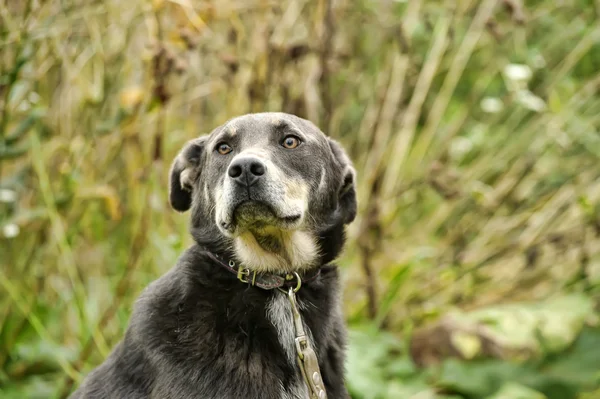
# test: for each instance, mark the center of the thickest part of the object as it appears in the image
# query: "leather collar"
(266, 281)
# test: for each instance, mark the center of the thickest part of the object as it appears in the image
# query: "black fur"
(197, 332)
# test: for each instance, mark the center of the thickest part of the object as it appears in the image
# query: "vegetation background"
(473, 270)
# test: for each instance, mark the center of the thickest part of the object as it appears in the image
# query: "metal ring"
(231, 263)
(299, 282)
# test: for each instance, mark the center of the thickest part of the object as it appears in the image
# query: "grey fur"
(278, 313)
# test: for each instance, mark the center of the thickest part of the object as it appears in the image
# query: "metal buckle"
(300, 346)
(245, 273)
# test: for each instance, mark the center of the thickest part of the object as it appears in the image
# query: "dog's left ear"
(185, 171)
(347, 192)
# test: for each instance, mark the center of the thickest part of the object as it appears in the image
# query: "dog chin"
(258, 217)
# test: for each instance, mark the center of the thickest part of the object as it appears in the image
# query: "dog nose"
(246, 171)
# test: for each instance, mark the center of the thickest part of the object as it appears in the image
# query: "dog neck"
(304, 250)
(276, 251)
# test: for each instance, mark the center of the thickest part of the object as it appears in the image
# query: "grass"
(463, 205)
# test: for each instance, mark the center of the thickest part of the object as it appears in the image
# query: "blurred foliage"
(382, 366)
(473, 269)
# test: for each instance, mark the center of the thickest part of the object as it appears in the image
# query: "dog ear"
(347, 191)
(185, 171)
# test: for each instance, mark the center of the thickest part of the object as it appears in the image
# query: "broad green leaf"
(516, 391)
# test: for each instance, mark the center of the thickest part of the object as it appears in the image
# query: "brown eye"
(224, 148)
(291, 142)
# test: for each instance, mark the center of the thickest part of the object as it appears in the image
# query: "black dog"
(270, 195)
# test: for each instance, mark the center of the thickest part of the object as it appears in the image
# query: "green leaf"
(477, 378)
(35, 387)
(550, 325)
(554, 102)
(25, 125)
(512, 390)
(374, 359)
(580, 365)
(13, 151)
(397, 281)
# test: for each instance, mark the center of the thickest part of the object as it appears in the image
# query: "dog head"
(271, 187)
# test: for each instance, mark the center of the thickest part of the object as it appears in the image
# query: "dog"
(270, 195)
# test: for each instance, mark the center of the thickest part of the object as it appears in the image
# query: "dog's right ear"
(185, 171)
(347, 191)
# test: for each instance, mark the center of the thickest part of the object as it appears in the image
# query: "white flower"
(459, 147)
(491, 105)
(530, 101)
(33, 97)
(518, 72)
(538, 61)
(7, 195)
(24, 106)
(10, 230)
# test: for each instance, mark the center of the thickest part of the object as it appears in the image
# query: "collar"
(266, 281)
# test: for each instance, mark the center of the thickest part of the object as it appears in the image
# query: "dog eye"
(291, 142)
(224, 148)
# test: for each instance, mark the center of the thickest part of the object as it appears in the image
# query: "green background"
(472, 270)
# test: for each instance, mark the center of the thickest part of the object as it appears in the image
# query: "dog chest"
(280, 316)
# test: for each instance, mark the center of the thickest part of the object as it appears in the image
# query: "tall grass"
(473, 126)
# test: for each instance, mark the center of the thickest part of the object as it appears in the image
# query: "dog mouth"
(256, 215)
